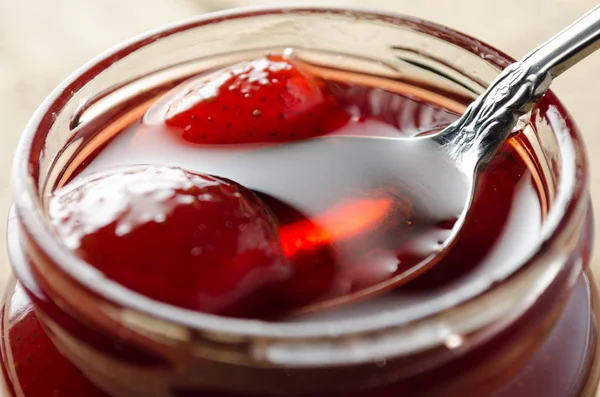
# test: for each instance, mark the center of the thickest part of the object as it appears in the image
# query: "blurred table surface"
(41, 42)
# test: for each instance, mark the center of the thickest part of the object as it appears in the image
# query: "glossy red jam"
(261, 188)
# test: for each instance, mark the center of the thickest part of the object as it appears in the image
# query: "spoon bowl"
(425, 198)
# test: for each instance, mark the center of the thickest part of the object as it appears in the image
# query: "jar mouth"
(569, 199)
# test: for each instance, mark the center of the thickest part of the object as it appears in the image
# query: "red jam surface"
(273, 188)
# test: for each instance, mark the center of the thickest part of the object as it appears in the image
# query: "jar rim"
(569, 199)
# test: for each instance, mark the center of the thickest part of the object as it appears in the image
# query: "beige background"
(42, 41)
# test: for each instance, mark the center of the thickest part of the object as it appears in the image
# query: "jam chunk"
(268, 99)
(191, 240)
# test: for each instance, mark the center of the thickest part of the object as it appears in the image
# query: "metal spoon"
(457, 154)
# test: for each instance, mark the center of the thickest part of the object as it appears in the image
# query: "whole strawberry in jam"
(268, 99)
(187, 239)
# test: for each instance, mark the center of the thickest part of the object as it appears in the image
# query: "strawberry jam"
(320, 159)
(178, 218)
(268, 99)
(225, 230)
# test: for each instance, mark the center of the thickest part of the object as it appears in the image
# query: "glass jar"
(527, 328)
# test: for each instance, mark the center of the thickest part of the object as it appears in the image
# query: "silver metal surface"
(489, 120)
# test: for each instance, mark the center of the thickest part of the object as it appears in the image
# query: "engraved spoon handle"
(490, 119)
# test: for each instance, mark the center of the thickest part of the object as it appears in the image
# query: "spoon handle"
(489, 120)
(568, 47)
